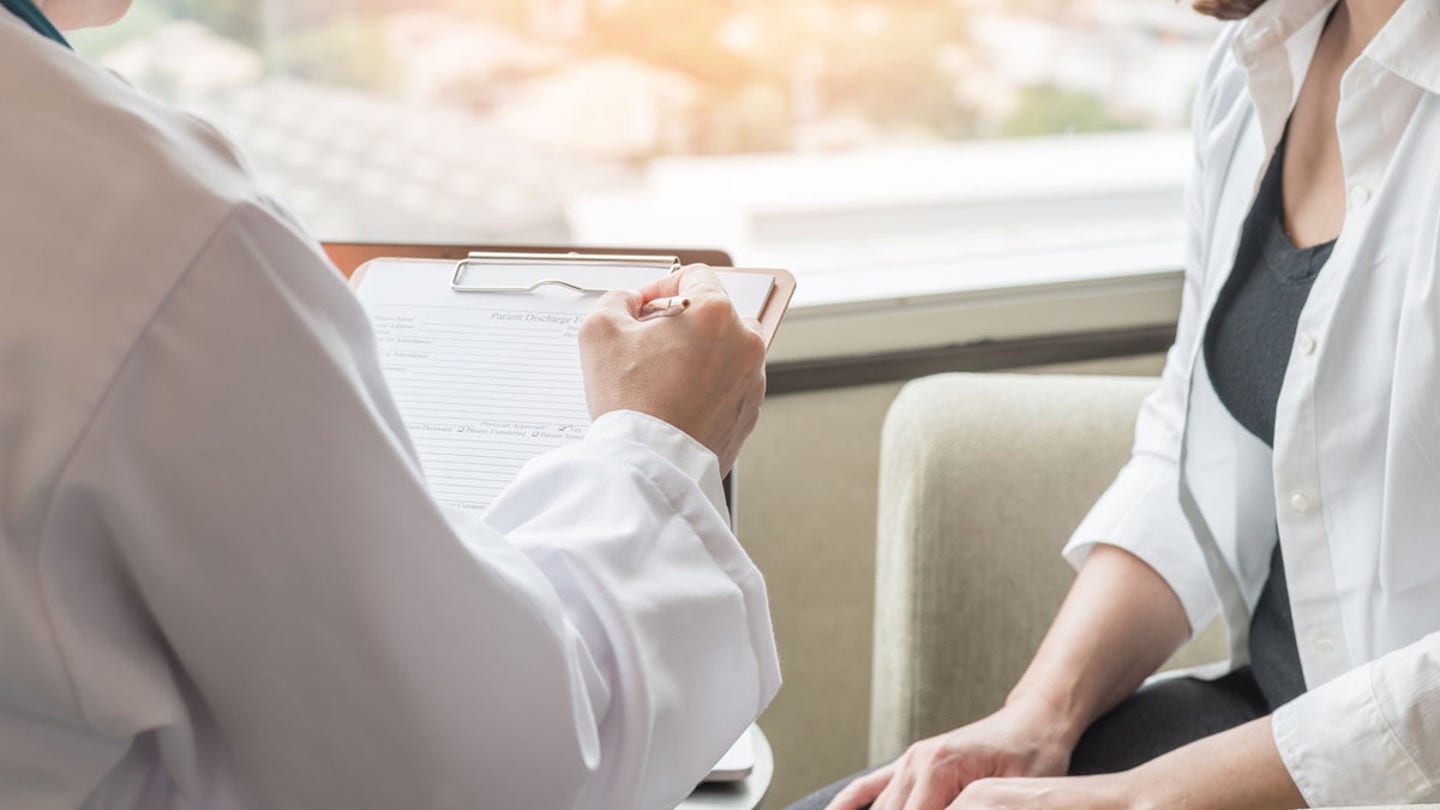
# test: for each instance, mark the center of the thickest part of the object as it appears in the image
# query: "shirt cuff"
(672, 444)
(1320, 733)
(1141, 514)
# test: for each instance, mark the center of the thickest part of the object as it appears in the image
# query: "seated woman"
(1286, 476)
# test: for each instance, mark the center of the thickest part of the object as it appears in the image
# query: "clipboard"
(563, 268)
(350, 255)
(355, 260)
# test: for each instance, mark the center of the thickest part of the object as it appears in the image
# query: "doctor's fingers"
(692, 280)
(701, 281)
(617, 306)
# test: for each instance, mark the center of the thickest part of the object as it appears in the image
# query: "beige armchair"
(982, 479)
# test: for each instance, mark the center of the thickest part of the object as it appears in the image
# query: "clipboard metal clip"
(457, 281)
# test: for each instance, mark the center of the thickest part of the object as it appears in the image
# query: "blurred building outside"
(801, 133)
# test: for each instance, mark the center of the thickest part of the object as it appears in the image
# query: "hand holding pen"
(663, 307)
(703, 373)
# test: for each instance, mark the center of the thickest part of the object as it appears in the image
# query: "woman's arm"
(1116, 627)
(1118, 624)
(1237, 768)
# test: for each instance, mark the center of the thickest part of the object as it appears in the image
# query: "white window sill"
(859, 313)
(930, 245)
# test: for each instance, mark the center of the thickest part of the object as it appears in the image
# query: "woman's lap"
(1159, 718)
(1165, 716)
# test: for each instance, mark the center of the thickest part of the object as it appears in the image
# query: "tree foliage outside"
(352, 52)
(1049, 110)
(238, 20)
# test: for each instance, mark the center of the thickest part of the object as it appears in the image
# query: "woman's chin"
(72, 15)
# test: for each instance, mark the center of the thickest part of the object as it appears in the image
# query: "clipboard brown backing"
(351, 258)
(350, 255)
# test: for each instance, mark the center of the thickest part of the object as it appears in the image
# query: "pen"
(664, 307)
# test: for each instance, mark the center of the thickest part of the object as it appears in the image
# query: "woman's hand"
(1108, 792)
(1119, 623)
(1015, 741)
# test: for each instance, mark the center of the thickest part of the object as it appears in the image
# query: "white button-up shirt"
(223, 582)
(1353, 481)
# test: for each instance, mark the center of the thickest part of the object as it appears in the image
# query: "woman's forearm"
(1119, 623)
(1236, 768)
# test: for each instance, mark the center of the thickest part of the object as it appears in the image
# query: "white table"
(745, 794)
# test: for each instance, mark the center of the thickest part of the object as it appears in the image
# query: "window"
(890, 142)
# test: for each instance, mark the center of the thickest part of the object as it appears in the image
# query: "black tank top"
(1247, 349)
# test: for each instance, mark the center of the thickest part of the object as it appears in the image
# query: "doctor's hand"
(702, 370)
(1016, 741)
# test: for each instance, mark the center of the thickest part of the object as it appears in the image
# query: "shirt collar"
(1408, 45)
(1273, 26)
(1274, 45)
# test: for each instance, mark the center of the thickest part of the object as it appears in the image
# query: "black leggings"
(1157, 719)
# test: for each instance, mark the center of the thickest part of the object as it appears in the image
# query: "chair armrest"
(982, 479)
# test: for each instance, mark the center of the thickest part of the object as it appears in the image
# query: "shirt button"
(1301, 502)
(1323, 644)
(1307, 344)
(1359, 196)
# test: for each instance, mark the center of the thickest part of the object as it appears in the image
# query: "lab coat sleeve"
(681, 685)
(596, 640)
(1140, 511)
(1370, 736)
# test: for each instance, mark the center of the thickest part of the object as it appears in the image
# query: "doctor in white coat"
(223, 582)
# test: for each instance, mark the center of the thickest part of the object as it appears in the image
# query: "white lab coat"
(1354, 479)
(223, 583)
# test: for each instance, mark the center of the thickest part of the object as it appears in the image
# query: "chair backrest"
(982, 479)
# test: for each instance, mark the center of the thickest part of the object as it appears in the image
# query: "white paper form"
(487, 381)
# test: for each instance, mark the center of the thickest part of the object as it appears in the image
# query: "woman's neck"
(1366, 18)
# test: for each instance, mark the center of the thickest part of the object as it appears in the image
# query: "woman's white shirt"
(223, 583)
(1353, 482)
